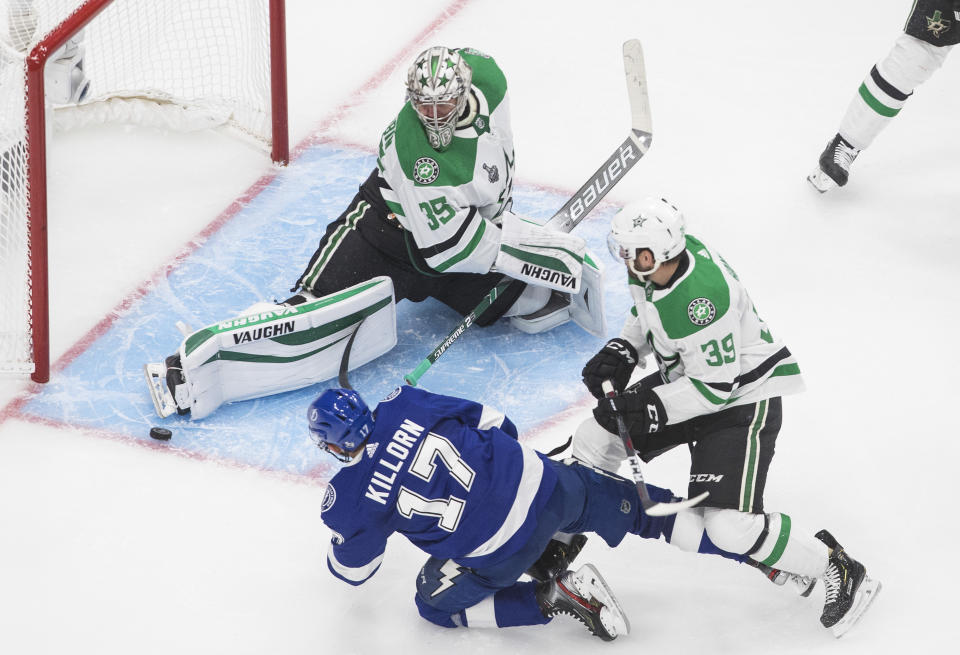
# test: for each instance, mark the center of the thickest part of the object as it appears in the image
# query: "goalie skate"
(163, 402)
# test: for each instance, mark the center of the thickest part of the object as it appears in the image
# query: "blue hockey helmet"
(339, 417)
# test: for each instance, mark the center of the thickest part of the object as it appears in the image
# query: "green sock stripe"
(782, 540)
(875, 104)
(338, 236)
(753, 456)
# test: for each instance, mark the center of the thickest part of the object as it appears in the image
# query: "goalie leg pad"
(555, 312)
(286, 347)
(586, 306)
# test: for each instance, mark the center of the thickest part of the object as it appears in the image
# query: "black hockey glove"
(643, 414)
(614, 362)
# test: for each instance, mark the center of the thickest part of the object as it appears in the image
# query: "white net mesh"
(15, 341)
(182, 64)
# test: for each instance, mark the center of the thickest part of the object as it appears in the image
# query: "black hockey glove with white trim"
(614, 362)
(643, 414)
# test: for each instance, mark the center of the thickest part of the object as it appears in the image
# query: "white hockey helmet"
(651, 223)
(438, 85)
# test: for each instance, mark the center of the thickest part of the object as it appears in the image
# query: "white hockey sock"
(780, 546)
(483, 614)
(688, 530)
(888, 86)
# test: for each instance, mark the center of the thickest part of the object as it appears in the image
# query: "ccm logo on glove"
(615, 362)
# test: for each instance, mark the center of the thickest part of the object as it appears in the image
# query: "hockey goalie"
(432, 220)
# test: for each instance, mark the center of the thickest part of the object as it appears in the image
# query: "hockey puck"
(162, 434)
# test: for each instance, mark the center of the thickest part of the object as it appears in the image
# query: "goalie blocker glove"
(615, 362)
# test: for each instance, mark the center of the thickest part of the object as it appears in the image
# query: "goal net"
(180, 64)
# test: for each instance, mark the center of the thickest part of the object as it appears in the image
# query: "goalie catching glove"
(614, 362)
(536, 255)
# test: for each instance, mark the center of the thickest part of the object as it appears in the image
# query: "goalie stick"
(649, 506)
(586, 198)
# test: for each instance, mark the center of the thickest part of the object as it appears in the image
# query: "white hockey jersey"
(713, 349)
(450, 200)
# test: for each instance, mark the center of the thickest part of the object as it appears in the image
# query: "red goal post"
(196, 62)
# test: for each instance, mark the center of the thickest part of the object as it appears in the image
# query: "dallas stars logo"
(701, 311)
(425, 170)
(937, 24)
(639, 221)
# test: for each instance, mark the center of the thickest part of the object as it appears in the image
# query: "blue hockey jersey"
(446, 473)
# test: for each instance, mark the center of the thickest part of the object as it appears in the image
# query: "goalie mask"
(438, 85)
(339, 417)
(653, 224)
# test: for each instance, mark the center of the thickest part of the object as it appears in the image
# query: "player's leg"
(274, 348)
(731, 461)
(609, 506)
(451, 596)
(359, 245)
(347, 274)
(462, 292)
(915, 56)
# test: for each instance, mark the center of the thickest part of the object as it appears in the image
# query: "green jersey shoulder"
(700, 298)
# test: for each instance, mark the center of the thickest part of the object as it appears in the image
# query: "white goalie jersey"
(451, 200)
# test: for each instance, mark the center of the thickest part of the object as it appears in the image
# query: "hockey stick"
(342, 378)
(649, 506)
(586, 198)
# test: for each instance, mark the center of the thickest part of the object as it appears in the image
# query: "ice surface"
(112, 543)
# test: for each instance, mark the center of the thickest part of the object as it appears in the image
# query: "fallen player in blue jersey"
(450, 475)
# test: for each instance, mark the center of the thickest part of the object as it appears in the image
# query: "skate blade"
(612, 615)
(866, 593)
(821, 181)
(162, 400)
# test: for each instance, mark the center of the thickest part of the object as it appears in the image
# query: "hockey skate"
(164, 381)
(849, 591)
(585, 596)
(835, 162)
(556, 558)
(802, 584)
